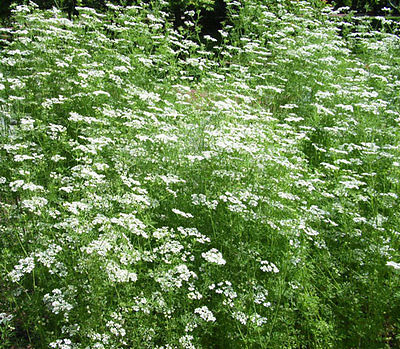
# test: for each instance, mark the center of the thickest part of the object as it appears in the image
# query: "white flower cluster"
(27, 124)
(393, 264)
(268, 267)
(169, 247)
(194, 294)
(186, 341)
(161, 233)
(260, 296)
(141, 304)
(191, 326)
(181, 213)
(288, 196)
(240, 316)
(25, 186)
(76, 207)
(71, 329)
(116, 328)
(214, 256)
(201, 200)
(101, 246)
(62, 344)
(48, 259)
(24, 266)
(205, 314)
(258, 319)
(92, 178)
(56, 302)
(234, 203)
(131, 223)
(75, 117)
(225, 289)
(175, 277)
(201, 238)
(103, 340)
(116, 274)
(5, 318)
(57, 158)
(54, 130)
(171, 179)
(35, 204)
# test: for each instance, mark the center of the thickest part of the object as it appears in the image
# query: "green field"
(164, 188)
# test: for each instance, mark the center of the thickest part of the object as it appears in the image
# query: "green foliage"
(369, 6)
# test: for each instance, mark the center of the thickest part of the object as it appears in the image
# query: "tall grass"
(161, 189)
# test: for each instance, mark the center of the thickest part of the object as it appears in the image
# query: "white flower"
(210, 38)
(258, 320)
(393, 264)
(62, 344)
(56, 302)
(214, 256)
(205, 314)
(224, 34)
(240, 316)
(16, 184)
(24, 266)
(186, 342)
(268, 267)
(183, 214)
(27, 124)
(116, 274)
(288, 196)
(116, 329)
(97, 93)
(5, 318)
(195, 295)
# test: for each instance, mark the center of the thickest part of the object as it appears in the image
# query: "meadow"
(165, 188)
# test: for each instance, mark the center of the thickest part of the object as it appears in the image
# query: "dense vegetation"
(369, 6)
(212, 9)
(165, 188)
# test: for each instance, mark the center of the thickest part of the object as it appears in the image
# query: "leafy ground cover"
(160, 189)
